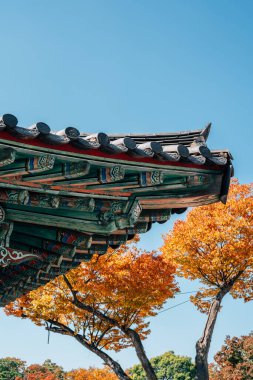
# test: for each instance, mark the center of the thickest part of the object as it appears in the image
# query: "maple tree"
(235, 359)
(214, 245)
(104, 303)
(46, 371)
(38, 372)
(91, 374)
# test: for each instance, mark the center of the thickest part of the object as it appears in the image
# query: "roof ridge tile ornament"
(98, 139)
(8, 120)
(66, 195)
(200, 148)
(150, 148)
(124, 143)
(40, 128)
(206, 131)
(70, 133)
(54, 139)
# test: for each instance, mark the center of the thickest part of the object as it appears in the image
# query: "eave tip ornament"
(67, 195)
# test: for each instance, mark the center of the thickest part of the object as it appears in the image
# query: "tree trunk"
(115, 366)
(203, 344)
(135, 338)
(132, 334)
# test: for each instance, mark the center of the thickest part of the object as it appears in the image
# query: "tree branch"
(115, 366)
(132, 334)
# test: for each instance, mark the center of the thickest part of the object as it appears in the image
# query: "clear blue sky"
(131, 66)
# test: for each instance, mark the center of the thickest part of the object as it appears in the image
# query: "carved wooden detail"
(40, 164)
(7, 156)
(66, 195)
(113, 174)
(10, 256)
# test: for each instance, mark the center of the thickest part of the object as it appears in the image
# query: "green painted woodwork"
(63, 206)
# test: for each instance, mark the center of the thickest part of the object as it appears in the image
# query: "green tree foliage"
(10, 368)
(167, 367)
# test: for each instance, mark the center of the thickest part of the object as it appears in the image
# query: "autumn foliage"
(214, 245)
(235, 360)
(104, 303)
(91, 374)
(128, 285)
(38, 372)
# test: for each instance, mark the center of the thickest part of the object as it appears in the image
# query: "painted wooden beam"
(43, 201)
(68, 170)
(139, 228)
(152, 178)
(2, 214)
(9, 256)
(5, 233)
(43, 244)
(59, 221)
(36, 164)
(155, 215)
(113, 174)
(7, 156)
(55, 234)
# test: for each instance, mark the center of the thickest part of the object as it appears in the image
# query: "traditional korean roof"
(67, 195)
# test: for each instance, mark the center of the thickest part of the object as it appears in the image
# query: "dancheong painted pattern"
(66, 195)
